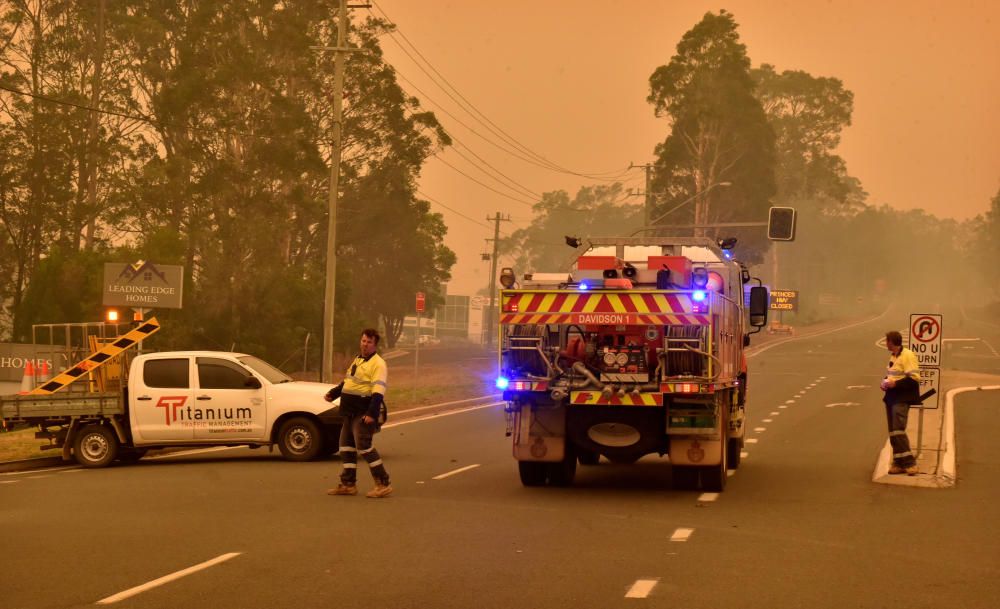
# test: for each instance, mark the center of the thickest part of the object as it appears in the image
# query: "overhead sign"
(925, 338)
(784, 300)
(143, 284)
(930, 378)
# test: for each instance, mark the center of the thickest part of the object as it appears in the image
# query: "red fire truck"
(634, 352)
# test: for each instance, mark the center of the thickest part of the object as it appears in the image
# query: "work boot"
(895, 469)
(380, 490)
(343, 489)
(912, 470)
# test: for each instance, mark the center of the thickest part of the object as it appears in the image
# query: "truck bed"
(72, 404)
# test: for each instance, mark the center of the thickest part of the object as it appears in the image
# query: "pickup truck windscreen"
(266, 370)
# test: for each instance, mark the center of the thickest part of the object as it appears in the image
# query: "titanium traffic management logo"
(170, 404)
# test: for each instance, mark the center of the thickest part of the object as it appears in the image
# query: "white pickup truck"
(184, 398)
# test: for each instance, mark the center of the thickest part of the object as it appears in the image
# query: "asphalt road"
(799, 525)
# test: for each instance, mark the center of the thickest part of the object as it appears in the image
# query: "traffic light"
(781, 224)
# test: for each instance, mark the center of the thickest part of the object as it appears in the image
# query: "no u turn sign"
(925, 338)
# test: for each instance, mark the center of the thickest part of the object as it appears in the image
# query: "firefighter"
(902, 387)
(362, 393)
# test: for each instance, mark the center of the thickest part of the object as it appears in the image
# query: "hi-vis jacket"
(364, 386)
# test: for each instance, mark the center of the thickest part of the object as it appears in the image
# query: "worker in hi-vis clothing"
(362, 393)
(902, 388)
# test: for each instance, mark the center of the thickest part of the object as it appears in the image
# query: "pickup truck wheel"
(95, 446)
(561, 473)
(300, 439)
(532, 473)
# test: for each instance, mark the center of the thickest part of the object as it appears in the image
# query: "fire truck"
(638, 350)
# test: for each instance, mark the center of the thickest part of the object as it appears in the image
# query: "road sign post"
(416, 344)
(926, 335)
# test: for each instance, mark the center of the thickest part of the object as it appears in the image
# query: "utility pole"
(648, 193)
(343, 24)
(493, 274)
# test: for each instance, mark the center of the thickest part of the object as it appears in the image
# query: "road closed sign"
(925, 338)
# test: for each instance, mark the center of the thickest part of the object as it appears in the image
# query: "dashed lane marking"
(789, 401)
(759, 429)
(775, 413)
(708, 497)
(166, 579)
(858, 386)
(641, 588)
(767, 420)
(744, 454)
(9, 481)
(783, 406)
(455, 471)
(730, 472)
(751, 440)
(681, 534)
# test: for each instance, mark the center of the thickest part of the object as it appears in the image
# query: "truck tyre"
(561, 473)
(532, 473)
(300, 439)
(95, 446)
(684, 478)
(132, 455)
(713, 477)
(588, 457)
(734, 446)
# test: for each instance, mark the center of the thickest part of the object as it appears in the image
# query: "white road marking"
(442, 404)
(708, 497)
(681, 534)
(767, 420)
(765, 347)
(456, 471)
(813, 385)
(858, 386)
(196, 451)
(730, 472)
(744, 454)
(36, 477)
(72, 471)
(948, 459)
(9, 481)
(759, 429)
(822, 377)
(783, 406)
(40, 471)
(835, 404)
(800, 394)
(751, 440)
(775, 413)
(641, 588)
(789, 401)
(166, 579)
(441, 414)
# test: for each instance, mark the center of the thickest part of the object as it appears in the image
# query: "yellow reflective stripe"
(662, 304)
(592, 302)
(567, 306)
(546, 302)
(639, 304)
(616, 303)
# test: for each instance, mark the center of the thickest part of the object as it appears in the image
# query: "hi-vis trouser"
(356, 437)
(896, 415)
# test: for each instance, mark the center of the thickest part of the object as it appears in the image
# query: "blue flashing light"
(584, 287)
(502, 382)
(728, 254)
(698, 296)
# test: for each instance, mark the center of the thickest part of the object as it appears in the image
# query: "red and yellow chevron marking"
(630, 399)
(617, 308)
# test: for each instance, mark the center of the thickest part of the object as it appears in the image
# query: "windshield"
(266, 370)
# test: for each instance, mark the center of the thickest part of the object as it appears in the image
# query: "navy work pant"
(896, 415)
(355, 438)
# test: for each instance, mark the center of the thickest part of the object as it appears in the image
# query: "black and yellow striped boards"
(99, 357)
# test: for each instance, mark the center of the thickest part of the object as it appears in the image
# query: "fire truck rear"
(623, 358)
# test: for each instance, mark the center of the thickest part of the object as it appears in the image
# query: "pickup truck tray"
(70, 404)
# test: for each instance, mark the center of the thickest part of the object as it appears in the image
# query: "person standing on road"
(902, 387)
(362, 393)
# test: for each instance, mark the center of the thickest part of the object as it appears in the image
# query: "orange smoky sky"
(569, 80)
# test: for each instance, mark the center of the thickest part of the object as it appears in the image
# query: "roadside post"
(925, 341)
(416, 340)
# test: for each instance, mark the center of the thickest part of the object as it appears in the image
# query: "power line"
(485, 121)
(486, 186)
(451, 209)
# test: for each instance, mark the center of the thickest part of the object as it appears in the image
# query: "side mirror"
(252, 382)
(744, 276)
(758, 306)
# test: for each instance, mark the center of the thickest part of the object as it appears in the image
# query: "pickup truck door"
(159, 400)
(229, 400)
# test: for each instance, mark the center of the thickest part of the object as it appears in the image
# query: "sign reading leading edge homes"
(143, 285)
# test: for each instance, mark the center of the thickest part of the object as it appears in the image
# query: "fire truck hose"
(707, 354)
(581, 368)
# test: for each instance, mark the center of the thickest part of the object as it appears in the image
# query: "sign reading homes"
(143, 285)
